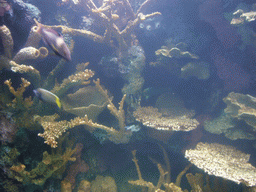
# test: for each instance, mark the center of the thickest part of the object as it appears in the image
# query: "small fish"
(47, 96)
(55, 41)
(132, 128)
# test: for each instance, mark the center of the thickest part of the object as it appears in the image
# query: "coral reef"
(175, 51)
(54, 129)
(242, 107)
(85, 101)
(163, 180)
(225, 124)
(107, 15)
(50, 164)
(79, 166)
(20, 106)
(223, 161)
(150, 117)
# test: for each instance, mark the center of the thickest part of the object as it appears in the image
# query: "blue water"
(223, 61)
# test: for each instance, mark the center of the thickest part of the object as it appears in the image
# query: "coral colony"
(85, 133)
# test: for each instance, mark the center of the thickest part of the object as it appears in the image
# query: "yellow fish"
(47, 96)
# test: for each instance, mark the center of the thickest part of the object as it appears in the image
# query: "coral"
(118, 25)
(50, 164)
(19, 103)
(81, 77)
(103, 184)
(79, 166)
(224, 124)
(134, 81)
(84, 186)
(172, 55)
(34, 38)
(240, 17)
(26, 53)
(175, 52)
(163, 179)
(150, 117)
(223, 161)
(86, 101)
(242, 107)
(54, 129)
(7, 41)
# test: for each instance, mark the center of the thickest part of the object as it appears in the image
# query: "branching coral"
(50, 164)
(108, 15)
(54, 129)
(150, 187)
(19, 103)
(81, 77)
(223, 161)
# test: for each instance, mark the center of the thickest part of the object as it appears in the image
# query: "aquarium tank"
(128, 95)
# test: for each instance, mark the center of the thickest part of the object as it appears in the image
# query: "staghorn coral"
(242, 107)
(54, 129)
(223, 161)
(81, 77)
(162, 181)
(151, 117)
(79, 166)
(50, 164)
(117, 28)
(19, 103)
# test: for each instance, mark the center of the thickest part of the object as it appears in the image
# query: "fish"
(133, 128)
(47, 96)
(54, 40)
